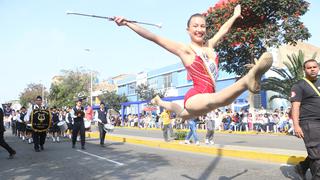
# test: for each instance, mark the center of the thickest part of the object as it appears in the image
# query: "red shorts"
(193, 91)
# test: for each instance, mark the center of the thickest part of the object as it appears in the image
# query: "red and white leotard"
(202, 82)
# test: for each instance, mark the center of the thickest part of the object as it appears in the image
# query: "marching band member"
(24, 126)
(55, 130)
(40, 119)
(69, 121)
(21, 124)
(28, 133)
(102, 118)
(78, 115)
(2, 141)
(62, 118)
(14, 122)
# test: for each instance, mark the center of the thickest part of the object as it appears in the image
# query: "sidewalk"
(265, 147)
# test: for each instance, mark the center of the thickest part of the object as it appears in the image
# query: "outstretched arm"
(225, 27)
(173, 47)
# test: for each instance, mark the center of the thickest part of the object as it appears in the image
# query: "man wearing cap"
(39, 137)
(78, 114)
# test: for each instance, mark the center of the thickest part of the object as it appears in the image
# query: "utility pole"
(91, 87)
(91, 79)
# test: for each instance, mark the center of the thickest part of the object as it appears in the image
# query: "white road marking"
(286, 165)
(99, 157)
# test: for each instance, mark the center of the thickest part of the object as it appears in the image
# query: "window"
(122, 89)
(256, 100)
(131, 88)
(153, 83)
(167, 80)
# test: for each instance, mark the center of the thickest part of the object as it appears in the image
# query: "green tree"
(286, 77)
(64, 92)
(29, 94)
(146, 93)
(113, 100)
(266, 23)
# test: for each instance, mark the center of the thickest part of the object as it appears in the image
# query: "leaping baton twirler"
(112, 19)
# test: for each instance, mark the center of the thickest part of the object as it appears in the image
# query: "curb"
(214, 151)
(204, 131)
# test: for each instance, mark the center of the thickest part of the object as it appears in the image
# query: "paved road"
(125, 161)
(250, 140)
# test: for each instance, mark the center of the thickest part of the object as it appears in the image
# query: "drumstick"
(112, 19)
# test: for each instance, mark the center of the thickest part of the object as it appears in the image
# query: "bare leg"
(170, 106)
(203, 103)
(173, 107)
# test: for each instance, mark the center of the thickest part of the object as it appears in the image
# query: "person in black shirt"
(78, 124)
(2, 141)
(55, 130)
(21, 124)
(69, 121)
(14, 122)
(305, 99)
(102, 120)
(39, 137)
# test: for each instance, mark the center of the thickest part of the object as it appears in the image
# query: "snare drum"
(63, 126)
(108, 127)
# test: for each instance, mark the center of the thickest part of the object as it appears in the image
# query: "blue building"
(173, 80)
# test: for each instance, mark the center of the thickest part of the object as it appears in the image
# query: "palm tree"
(286, 78)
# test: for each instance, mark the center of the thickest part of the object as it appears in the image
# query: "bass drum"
(63, 126)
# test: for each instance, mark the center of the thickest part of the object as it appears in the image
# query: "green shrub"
(180, 135)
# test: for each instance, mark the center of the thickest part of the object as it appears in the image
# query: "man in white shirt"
(78, 124)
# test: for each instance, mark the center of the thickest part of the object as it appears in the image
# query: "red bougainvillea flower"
(210, 10)
(222, 3)
(235, 44)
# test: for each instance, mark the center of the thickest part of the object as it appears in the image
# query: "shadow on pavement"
(206, 174)
(60, 161)
(210, 169)
(234, 176)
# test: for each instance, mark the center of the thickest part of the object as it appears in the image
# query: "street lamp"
(88, 50)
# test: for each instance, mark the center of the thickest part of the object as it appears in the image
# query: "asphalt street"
(127, 161)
